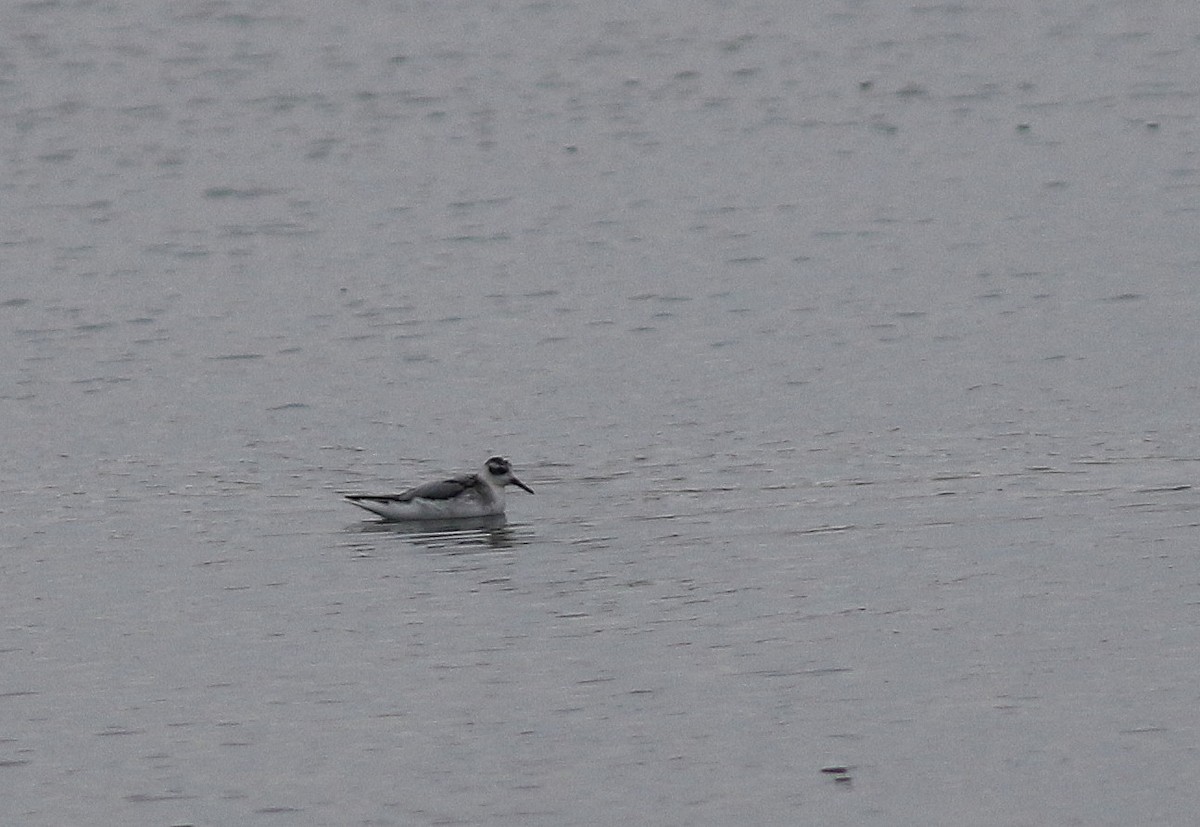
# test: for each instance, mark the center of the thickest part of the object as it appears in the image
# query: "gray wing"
(443, 490)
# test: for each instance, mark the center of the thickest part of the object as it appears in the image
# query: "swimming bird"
(466, 495)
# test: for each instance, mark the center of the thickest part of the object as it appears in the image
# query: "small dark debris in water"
(1152, 124)
(840, 773)
(1024, 127)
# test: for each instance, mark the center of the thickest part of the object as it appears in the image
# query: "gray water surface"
(849, 346)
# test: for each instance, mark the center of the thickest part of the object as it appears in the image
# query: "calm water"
(850, 347)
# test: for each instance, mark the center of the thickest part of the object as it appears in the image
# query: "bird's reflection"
(461, 536)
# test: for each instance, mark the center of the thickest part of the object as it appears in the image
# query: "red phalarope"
(467, 495)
